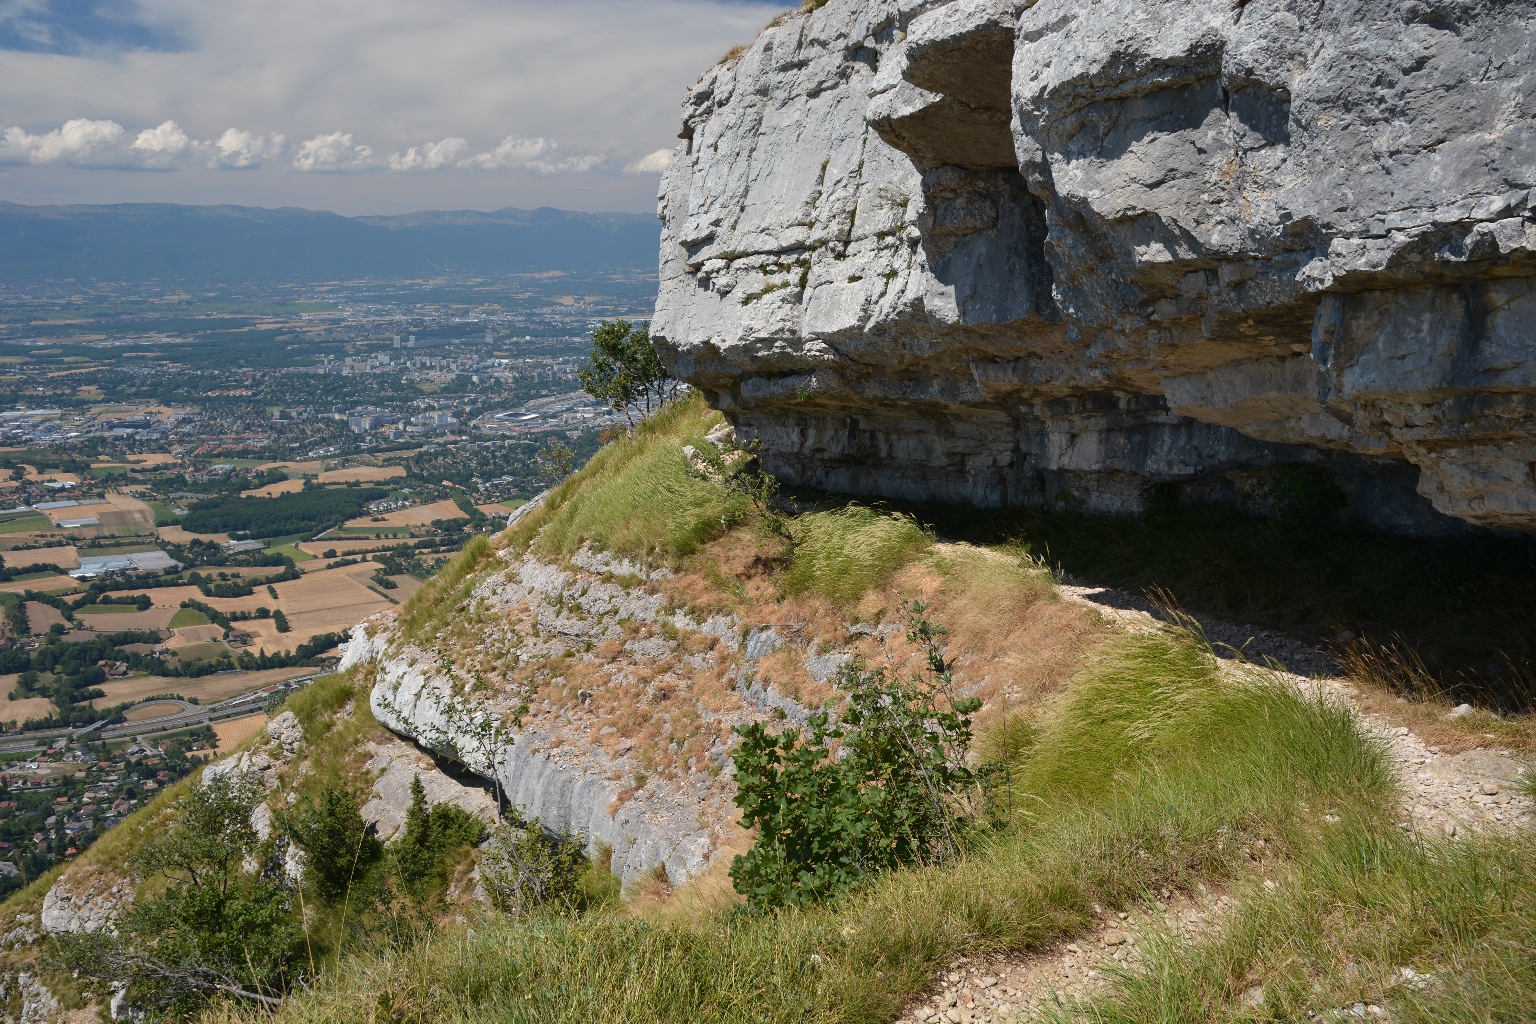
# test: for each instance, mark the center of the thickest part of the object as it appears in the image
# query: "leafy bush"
(895, 793)
(214, 930)
(338, 846)
(625, 371)
(525, 869)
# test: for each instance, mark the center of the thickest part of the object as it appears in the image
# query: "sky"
(355, 106)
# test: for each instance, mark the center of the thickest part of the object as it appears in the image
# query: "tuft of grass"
(635, 497)
(843, 553)
(427, 610)
(1339, 928)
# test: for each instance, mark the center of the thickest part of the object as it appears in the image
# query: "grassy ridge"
(1176, 774)
(1153, 772)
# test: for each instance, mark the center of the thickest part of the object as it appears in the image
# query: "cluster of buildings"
(34, 426)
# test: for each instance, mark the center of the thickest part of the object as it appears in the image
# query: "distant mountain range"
(207, 245)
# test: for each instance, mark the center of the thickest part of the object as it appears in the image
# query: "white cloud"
(333, 152)
(241, 149)
(86, 143)
(654, 163)
(79, 143)
(597, 76)
(538, 156)
(161, 147)
(429, 156)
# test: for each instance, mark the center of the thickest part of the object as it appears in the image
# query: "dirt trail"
(1442, 792)
(1450, 794)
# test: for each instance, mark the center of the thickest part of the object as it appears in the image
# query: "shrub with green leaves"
(430, 836)
(525, 869)
(215, 929)
(339, 847)
(896, 789)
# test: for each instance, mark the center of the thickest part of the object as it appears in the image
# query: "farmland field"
(123, 617)
(176, 535)
(28, 523)
(207, 689)
(236, 731)
(28, 708)
(44, 584)
(187, 617)
(416, 515)
(289, 486)
(63, 557)
(362, 474)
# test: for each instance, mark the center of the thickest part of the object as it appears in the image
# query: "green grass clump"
(427, 610)
(1340, 927)
(636, 497)
(843, 553)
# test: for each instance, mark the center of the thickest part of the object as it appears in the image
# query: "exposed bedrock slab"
(1008, 252)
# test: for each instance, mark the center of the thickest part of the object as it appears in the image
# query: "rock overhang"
(1007, 252)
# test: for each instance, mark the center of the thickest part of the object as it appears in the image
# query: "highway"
(187, 717)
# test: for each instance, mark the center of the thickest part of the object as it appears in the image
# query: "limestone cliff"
(1015, 252)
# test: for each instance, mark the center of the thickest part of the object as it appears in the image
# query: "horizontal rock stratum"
(1014, 253)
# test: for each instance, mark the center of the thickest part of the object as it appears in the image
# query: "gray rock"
(286, 730)
(83, 905)
(1056, 252)
(396, 765)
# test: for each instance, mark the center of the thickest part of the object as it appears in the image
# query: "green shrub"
(430, 837)
(523, 869)
(892, 794)
(338, 846)
(214, 930)
(843, 553)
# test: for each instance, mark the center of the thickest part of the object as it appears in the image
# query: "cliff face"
(1019, 253)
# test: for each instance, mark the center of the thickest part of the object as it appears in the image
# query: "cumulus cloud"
(654, 163)
(86, 143)
(429, 156)
(332, 152)
(241, 149)
(535, 155)
(162, 147)
(79, 143)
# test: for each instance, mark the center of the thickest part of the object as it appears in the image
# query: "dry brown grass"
(64, 557)
(236, 731)
(1015, 643)
(362, 474)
